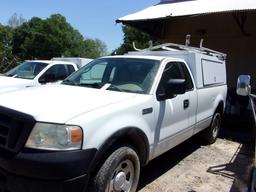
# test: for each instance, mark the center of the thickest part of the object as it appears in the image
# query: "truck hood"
(11, 83)
(60, 103)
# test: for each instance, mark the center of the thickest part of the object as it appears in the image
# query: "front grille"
(15, 128)
(4, 130)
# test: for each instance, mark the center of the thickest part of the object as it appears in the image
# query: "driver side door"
(173, 114)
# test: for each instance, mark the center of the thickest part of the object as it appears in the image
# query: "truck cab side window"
(71, 69)
(54, 73)
(171, 71)
(187, 77)
(61, 72)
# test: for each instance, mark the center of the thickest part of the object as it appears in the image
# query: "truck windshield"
(117, 74)
(26, 70)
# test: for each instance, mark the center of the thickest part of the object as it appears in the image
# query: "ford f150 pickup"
(94, 131)
(34, 73)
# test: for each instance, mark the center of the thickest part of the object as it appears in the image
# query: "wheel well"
(132, 137)
(136, 141)
(220, 108)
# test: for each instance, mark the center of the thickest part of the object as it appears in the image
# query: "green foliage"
(5, 38)
(95, 48)
(133, 35)
(6, 56)
(44, 39)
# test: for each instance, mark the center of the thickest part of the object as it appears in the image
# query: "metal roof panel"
(186, 8)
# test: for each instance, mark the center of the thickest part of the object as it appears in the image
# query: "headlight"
(55, 137)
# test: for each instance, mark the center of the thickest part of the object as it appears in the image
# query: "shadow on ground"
(234, 128)
(167, 161)
(238, 169)
(239, 128)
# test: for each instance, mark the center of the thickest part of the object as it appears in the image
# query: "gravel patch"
(224, 166)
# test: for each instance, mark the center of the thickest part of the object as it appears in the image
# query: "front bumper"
(41, 171)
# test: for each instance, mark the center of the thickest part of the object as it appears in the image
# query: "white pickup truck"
(35, 72)
(94, 131)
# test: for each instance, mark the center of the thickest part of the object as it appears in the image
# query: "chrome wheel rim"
(122, 177)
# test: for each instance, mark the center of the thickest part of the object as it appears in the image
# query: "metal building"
(228, 26)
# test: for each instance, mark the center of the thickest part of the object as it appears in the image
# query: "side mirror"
(47, 78)
(172, 88)
(243, 85)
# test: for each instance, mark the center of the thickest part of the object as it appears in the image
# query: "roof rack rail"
(178, 47)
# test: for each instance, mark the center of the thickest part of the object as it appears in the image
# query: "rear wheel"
(210, 134)
(119, 173)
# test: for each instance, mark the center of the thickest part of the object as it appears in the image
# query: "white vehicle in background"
(97, 128)
(35, 72)
(79, 61)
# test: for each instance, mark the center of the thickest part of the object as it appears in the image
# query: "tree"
(44, 39)
(95, 48)
(131, 35)
(5, 38)
(6, 34)
(24, 37)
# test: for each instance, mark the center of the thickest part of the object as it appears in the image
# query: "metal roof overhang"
(152, 20)
(189, 8)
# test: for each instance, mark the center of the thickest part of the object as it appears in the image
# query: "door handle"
(186, 104)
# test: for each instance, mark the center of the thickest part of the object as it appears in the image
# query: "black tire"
(120, 172)
(210, 134)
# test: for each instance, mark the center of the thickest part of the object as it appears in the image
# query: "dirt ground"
(192, 167)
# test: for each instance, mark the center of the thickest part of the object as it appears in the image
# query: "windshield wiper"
(68, 82)
(114, 88)
(93, 85)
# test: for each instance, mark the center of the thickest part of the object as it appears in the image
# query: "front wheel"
(119, 173)
(211, 133)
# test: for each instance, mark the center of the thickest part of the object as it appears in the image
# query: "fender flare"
(134, 137)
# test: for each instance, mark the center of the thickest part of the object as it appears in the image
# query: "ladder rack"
(178, 47)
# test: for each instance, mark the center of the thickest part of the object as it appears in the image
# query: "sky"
(92, 18)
